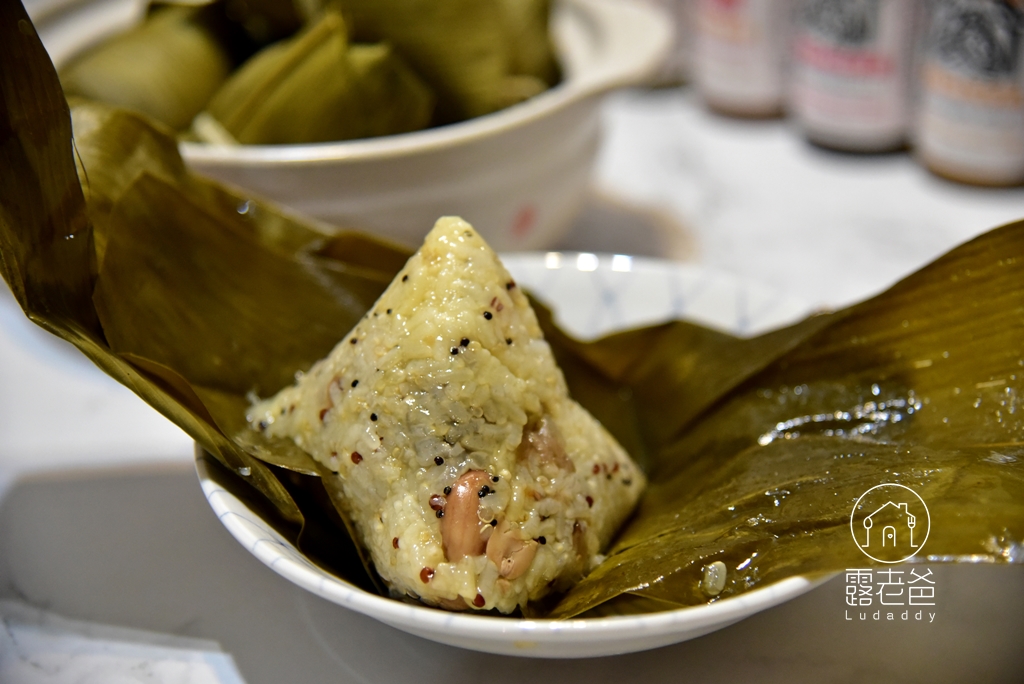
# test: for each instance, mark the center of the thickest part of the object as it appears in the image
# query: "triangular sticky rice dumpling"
(471, 476)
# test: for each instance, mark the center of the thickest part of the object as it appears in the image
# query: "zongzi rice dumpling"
(167, 68)
(478, 56)
(468, 472)
(315, 87)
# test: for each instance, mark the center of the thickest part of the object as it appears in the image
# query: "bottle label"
(851, 66)
(739, 52)
(971, 123)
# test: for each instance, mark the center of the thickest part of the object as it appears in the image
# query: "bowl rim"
(418, 617)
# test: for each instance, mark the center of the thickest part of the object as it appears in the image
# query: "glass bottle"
(739, 55)
(850, 75)
(970, 120)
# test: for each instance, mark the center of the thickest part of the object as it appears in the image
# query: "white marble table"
(750, 198)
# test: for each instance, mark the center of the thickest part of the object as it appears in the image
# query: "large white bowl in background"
(591, 295)
(518, 175)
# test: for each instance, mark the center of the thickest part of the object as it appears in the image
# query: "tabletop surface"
(673, 181)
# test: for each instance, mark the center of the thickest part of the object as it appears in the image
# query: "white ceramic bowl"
(518, 175)
(591, 295)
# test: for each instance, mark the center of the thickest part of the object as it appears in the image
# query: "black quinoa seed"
(389, 311)
(404, 278)
(373, 416)
(508, 340)
(495, 478)
(484, 491)
(447, 491)
(464, 342)
(440, 514)
(510, 284)
(541, 540)
(488, 315)
(355, 383)
(263, 425)
(352, 341)
(438, 460)
(455, 351)
(494, 523)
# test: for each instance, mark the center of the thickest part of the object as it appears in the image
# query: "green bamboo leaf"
(917, 386)
(210, 301)
(45, 238)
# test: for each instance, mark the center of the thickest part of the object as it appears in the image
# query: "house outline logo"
(890, 529)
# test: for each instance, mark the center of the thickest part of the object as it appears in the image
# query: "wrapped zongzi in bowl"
(510, 97)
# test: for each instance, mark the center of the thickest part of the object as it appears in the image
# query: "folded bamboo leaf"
(211, 302)
(353, 248)
(114, 147)
(316, 88)
(47, 255)
(318, 538)
(668, 373)
(917, 386)
(46, 250)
